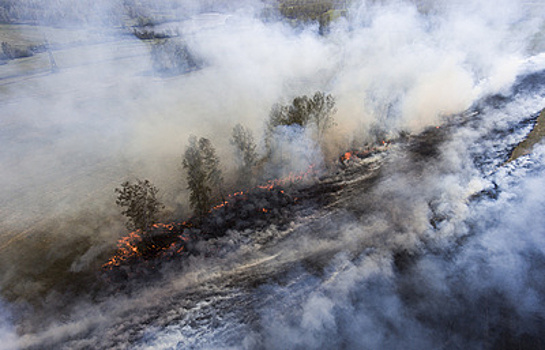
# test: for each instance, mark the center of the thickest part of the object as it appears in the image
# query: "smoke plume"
(437, 243)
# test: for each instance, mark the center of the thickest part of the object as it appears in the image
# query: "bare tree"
(140, 203)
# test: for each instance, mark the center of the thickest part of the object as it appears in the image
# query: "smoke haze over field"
(415, 260)
(387, 64)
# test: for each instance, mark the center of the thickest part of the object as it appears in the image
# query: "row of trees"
(203, 169)
(204, 180)
(321, 11)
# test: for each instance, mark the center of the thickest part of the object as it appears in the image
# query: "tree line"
(205, 182)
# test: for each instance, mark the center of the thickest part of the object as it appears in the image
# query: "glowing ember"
(171, 241)
(133, 245)
(346, 156)
(290, 179)
(350, 156)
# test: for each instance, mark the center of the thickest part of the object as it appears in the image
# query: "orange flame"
(290, 179)
(127, 247)
(346, 156)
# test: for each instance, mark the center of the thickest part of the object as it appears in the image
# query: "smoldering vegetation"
(432, 243)
(412, 256)
(405, 250)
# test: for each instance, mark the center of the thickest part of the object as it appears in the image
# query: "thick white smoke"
(71, 137)
(7, 330)
(462, 294)
(452, 258)
(388, 64)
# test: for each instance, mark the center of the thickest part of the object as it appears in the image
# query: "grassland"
(535, 136)
(304, 11)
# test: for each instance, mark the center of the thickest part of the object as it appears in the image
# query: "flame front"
(128, 246)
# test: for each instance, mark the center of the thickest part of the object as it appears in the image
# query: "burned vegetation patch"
(139, 254)
(427, 145)
(254, 210)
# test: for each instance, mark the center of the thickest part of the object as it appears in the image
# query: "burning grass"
(271, 202)
(240, 210)
(349, 157)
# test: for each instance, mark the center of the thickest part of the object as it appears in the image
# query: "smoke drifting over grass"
(7, 330)
(439, 253)
(410, 261)
(483, 291)
(387, 64)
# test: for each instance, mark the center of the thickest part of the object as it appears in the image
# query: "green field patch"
(535, 136)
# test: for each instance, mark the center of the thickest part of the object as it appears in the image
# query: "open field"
(38, 110)
(535, 136)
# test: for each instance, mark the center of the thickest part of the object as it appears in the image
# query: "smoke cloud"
(485, 292)
(443, 250)
(7, 330)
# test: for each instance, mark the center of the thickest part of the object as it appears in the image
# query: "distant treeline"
(11, 52)
(303, 11)
(309, 9)
(145, 12)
